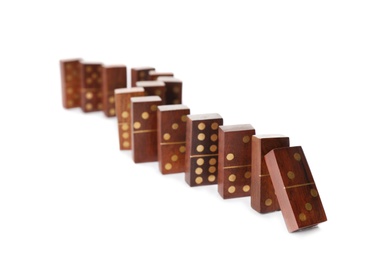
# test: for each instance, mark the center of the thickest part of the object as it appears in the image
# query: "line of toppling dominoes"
(154, 124)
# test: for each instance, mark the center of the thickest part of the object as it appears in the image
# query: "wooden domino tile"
(113, 77)
(144, 124)
(171, 137)
(263, 197)
(153, 75)
(201, 160)
(70, 82)
(91, 87)
(153, 88)
(173, 90)
(123, 112)
(139, 74)
(295, 188)
(234, 160)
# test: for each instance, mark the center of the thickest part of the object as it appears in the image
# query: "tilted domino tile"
(113, 77)
(144, 123)
(140, 74)
(71, 85)
(263, 197)
(91, 87)
(234, 160)
(123, 112)
(201, 161)
(295, 188)
(171, 137)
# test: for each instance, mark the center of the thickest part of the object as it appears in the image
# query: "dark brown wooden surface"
(144, 124)
(295, 188)
(173, 90)
(234, 160)
(263, 197)
(153, 88)
(113, 77)
(139, 74)
(70, 82)
(171, 137)
(123, 112)
(201, 162)
(153, 75)
(91, 87)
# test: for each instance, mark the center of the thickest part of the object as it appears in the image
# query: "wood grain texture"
(144, 124)
(234, 160)
(263, 197)
(171, 137)
(70, 82)
(295, 188)
(153, 88)
(91, 87)
(140, 74)
(123, 112)
(113, 77)
(173, 90)
(201, 159)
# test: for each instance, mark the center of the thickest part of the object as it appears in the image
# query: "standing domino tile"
(91, 87)
(295, 188)
(263, 198)
(201, 161)
(171, 137)
(153, 75)
(153, 88)
(70, 79)
(173, 90)
(123, 112)
(114, 77)
(144, 123)
(234, 160)
(140, 74)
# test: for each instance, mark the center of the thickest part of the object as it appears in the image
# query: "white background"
(316, 71)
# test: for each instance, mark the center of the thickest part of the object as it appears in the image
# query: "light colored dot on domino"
(125, 135)
(201, 136)
(246, 188)
(94, 76)
(137, 125)
(88, 106)
(297, 156)
(125, 114)
(176, 101)
(200, 148)
(176, 89)
(247, 175)
(89, 81)
(125, 127)
(211, 178)
(89, 95)
(214, 126)
(212, 169)
(168, 166)
(230, 156)
(214, 137)
(200, 161)
(198, 170)
(246, 139)
(174, 158)
(70, 102)
(112, 111)
(100, 106)
(268, 202)
(166, 136)
(198, 180)
(314, 193)
(231, 189)
(213, 148)
(157, 92)
(232, 177)
(88, 68)
(69, 90)
(182, 149)
(184, 118)
(308, 206)
(111, 100)
(126, 144)
(175, 126)
(291, 175)
(153, 107)
(302, 217)
(212, 161)
(201, 126)
(145, 115)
